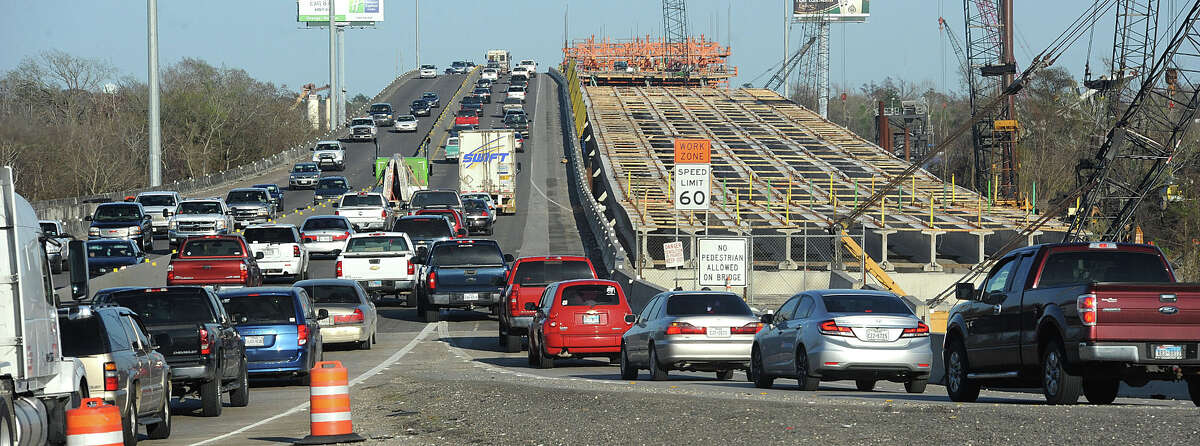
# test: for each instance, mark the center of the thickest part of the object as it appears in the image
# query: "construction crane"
(306, 90)
(1148, 135)
(992, 67)
(956, 45)
(676, 57)
(781, 75)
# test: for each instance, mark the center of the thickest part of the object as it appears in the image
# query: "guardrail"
(72, 210)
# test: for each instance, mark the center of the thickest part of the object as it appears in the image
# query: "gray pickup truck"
(197, 217)
(160, 205)
(250, 206)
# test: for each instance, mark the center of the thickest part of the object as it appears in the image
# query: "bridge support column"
(883, 249)
(981, 255)
(788, 262)
(933, 265)
(1032, 238)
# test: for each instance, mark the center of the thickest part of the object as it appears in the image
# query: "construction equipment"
(781, 75)
(956, 45)
(873, 268)
(306, 90)
(675, 58)
(992, 67)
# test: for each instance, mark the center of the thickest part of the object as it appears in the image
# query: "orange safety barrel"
(94, 423)
(329, 405)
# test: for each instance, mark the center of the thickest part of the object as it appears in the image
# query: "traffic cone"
(94, 423)
(329, 408)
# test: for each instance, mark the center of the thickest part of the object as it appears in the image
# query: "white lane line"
(364, 376)
(461, 353)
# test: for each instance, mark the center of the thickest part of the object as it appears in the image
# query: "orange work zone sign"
(693, 151)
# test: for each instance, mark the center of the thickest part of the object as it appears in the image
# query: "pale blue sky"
(261, 36)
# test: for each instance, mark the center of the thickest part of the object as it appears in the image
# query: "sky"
(901, 39)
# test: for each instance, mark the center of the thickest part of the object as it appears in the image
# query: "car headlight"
(136, 230)
(172, 224)
(262, 211)
(93, 231)
(220, 224)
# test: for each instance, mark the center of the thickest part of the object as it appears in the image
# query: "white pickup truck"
(329, 155)
(381, 262)
(366, 211)
(283, 253)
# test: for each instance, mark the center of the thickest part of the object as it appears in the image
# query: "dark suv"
(122, 220)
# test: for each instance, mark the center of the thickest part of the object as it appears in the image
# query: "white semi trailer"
(488, 165)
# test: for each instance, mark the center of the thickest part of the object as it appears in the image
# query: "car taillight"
(750, 328)
(338, 268)
(296, 251)
(411, 268)
(383, 214)
(344, 236)
(684, 328)
(1086, 304)
(301, 334)
(831, 328)
(512, 299)
(355, 318)
(921, 331)
(432, 280)
(244, 272)
(486, 214)
(337, 212)
(205, 345)
(170, 272)
(110, 376)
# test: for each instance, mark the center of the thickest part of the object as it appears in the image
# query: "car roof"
(271, 226)
(121, 203)
(379, 234)
(339, 177)
(158, 192)
(249, 189)
(323, 282)
(837, 292)
(552, 258)
(429, 93)
(333, 217)
(244, 292)
(190, 200)
(382, 103)
(423, 217)
(329, 141)
(265, 185)
(573, 282)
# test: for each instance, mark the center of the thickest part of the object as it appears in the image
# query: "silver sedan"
(689, 330)
(830, 335)
(406, 123)
(352, 316)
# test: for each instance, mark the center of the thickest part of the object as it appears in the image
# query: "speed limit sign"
(692, 185)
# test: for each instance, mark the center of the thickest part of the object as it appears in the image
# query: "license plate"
(324, 238)
(718, 332)
(375, 283)
(591, 319)
(876, 335)
(1168, 352)
(470, 296)
(255, 341)
(270, 252)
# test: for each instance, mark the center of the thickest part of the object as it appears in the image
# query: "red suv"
(529, 279)
(578, 318)
(456, 218)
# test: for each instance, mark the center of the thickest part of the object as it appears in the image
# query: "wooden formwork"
(774, 165)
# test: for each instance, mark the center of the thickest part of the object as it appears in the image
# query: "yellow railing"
(872, 267)
(576, 92)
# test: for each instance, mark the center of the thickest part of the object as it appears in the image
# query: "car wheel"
(628, 371)
(959, 387)
(129, 425)
(1194, 390)
(756, 374)
(533, 348)
(8, 430)
(364, 345)
(210, 398)
(240, 397)
(427, 314)
(162, 429)
(544, 361)
(864, 385)
(510, 343)
(1058, 385)
(657, 372)
(725, 375)
(1101, 390)
(916, 385)
(804, 379)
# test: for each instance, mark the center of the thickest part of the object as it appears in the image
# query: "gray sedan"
(830, 335)
(352, 316)
(689, 330)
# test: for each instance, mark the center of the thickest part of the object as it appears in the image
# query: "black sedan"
(419, 108)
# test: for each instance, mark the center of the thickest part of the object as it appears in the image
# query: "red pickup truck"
(218, 260)
(1074, 318)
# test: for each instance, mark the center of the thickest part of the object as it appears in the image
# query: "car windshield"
(117, 213)
(269, 187)
(82, 337)
(329, 146)
(371, 200)
(429, 95)
(452, 141)
(49, 229)
(434, 198)
(320, 224)
(864, 303)
(305, 168)
(381, 108)
(471, 100)
(465, 114)
(1077, 267)
(459, 64)
(199, 207)
(332, 294)
(377, 244)
(419, 104)
(211, 248)
(481, 197)
(260, 309)
(175, 306)
(515, 118)
(360, 121)
(526, 62)
(406, 118)
(545, 272)
(109, 249)
(468, 254)
(156, 200)
(246, 196)
(707, 304)
(270, 235)
(422, 228)
(516, 89)
(332, 183)
(475, 205)
(516, 101)
(427, 67)
(590, 295)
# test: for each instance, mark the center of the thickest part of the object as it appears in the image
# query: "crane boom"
(784, 70)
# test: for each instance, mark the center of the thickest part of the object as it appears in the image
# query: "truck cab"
(55, 234)
(461, 273)
(161, 206)
(329, 155)
(121, 220)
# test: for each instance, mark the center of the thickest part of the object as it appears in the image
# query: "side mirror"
(228, 212)
(530, 306)
(312, 149)
(767, 318)
(79, 269)
(162, 340)
(259, 256)
(630, 318)
(88, 218)
(166, 213)
(322, 314)
(508, 258)
(422, 253)
(964, 291)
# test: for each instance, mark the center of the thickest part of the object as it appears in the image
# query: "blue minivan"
(280, 328)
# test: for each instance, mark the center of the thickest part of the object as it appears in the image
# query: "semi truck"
(488, 165)
(37, 383)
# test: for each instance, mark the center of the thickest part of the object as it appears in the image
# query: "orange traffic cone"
(94, 423)
(329, 408)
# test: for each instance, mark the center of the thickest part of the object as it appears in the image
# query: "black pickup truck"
(1074, 318)
(460, 273)
(206, 354)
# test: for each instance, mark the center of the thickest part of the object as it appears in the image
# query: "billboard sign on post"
(354, 11)
(722, 262)
(844, 11)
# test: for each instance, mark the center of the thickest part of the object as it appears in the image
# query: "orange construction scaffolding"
(638, 61)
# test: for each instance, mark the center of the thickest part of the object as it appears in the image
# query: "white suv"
(283, 254)
(329, 155)
(490, 74)
(428, 71)
(529, 66)
(516, 91)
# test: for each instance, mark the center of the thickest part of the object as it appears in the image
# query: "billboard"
(852, 11)
(308, 11)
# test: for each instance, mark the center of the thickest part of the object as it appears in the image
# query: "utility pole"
(417, 28)
(155, 136)
(823, 69)
(333, 86)
(342, 114)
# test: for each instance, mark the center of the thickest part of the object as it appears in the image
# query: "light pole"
(333, 85)
(155, 137)
(417, 29)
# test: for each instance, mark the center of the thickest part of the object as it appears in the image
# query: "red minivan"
(529, 279)
(576, 319)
